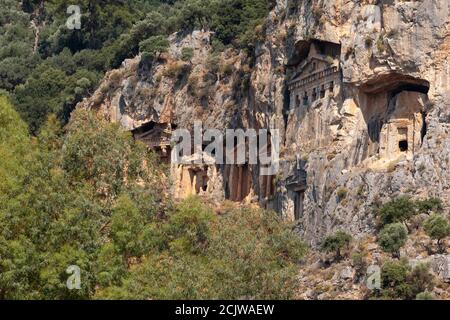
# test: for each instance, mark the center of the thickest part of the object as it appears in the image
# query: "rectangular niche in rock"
(394, 106)
(403, 139)
(238, 181)
(296, 185)
(315, 72)
(267, 187)
(401, 133)
(299, 198)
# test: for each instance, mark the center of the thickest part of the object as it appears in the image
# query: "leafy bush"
(420, 279)
(226, 68)
(359, 263)
(175, 69)
(392, 237)
(213, 63)
(14, 147)
(394, 276)
(336, 242)
(42, 94)
(81, 206)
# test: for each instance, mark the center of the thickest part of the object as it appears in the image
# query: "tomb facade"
(394, 109)
(238, 182)
(190, 178)
(156, 136)
(315, 73)
(238, 178)
(267, 185)
(401, 133)
(296, 185)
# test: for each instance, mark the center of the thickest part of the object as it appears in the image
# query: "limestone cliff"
(359, 90)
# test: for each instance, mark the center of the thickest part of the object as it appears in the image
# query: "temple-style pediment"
(315, 71)
(153, 134)
(157, 137)
(310, 66)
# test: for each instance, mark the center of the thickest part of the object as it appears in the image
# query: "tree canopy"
(89, 195)
(40, 56)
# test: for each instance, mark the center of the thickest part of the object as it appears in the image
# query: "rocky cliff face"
(378, 130)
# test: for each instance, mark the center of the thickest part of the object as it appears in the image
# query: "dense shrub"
(437, 227)
(425, 296)
(392, 237)
(187, 53)
(359, 263)
(175, 69)
(65, 202)
(429, 205)
(342, 193)
(420, 279)
(397, 210)
(394, 280)
(14, 148)
(154, 46)
(400, 282)
(336, 243)
(245, 253)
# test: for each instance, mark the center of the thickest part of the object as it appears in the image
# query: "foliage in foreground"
(246, 253)
(88, 195)
(400, 281)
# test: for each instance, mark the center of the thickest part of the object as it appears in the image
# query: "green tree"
(392, 237)
(56, 213)
(99, 152)
(14, 147)
(359, 262)
(126, 225)
(42, 94)
(242, 253)
(399, 281)
(437, 227)
(420, 279)
(188, 227)
(154, 46)
(336, 242)
(429, 205)
(425, 296)
(235, 21)
(394, 276)
(187, 53)
(396, 210)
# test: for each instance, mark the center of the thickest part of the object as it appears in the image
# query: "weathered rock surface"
(395, 76)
